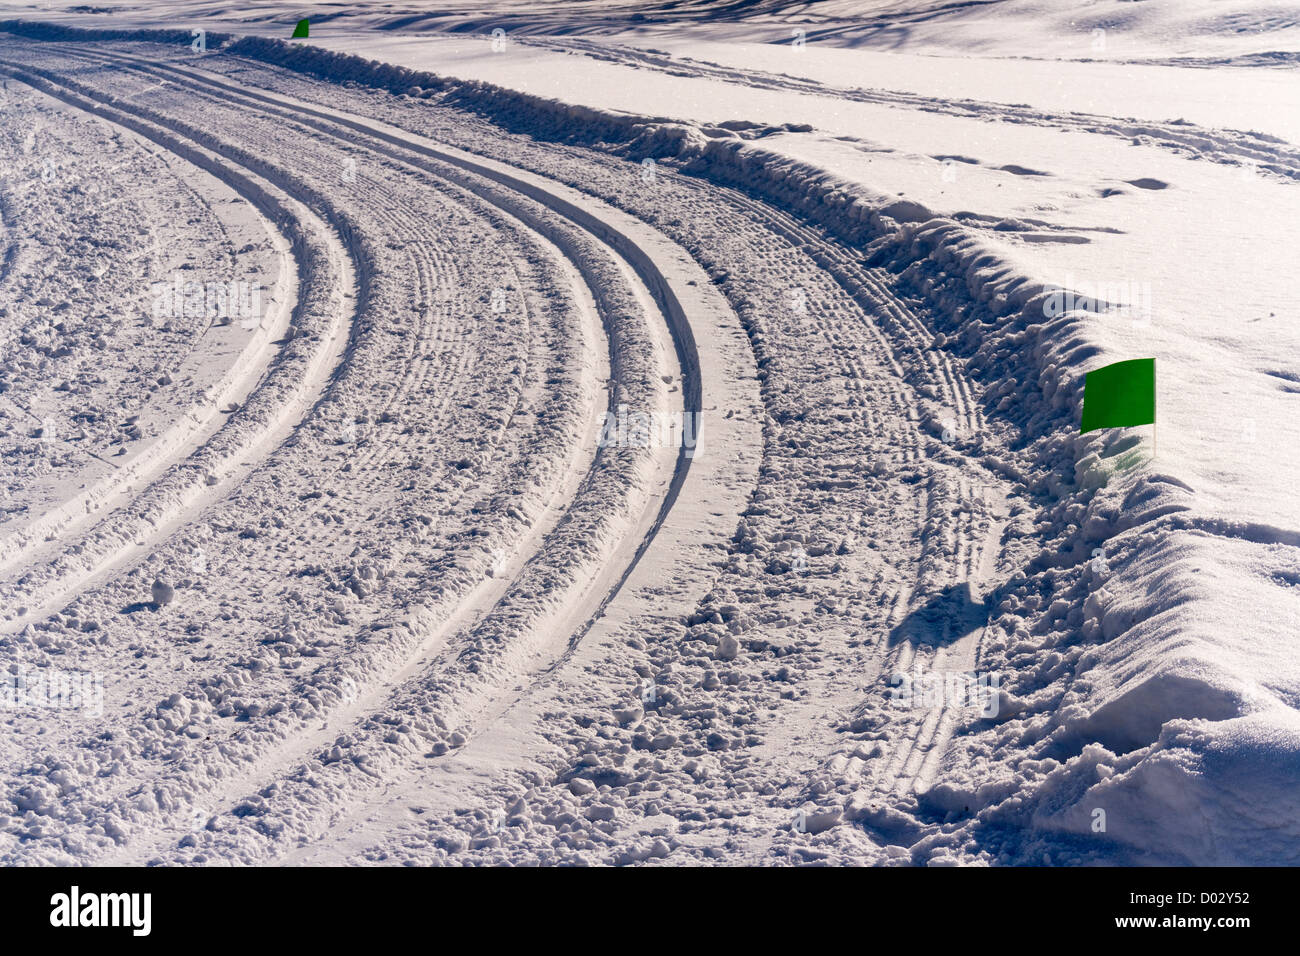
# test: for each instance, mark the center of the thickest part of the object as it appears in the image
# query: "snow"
(409, 606)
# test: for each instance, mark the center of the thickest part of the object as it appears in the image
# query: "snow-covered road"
(389, 573)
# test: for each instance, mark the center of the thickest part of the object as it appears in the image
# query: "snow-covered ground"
(323, 364)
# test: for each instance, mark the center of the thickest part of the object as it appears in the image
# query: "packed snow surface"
(620, 433)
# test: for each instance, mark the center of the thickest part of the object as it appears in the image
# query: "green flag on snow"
(1119, 395)
(300, 31)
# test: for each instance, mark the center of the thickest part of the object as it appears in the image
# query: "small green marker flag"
(1119, 395)
(300, 31)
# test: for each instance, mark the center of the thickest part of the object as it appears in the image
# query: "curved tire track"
(642, 263)
(188, 485)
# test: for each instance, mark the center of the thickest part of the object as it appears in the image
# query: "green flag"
(1119, 395)
(300, 31)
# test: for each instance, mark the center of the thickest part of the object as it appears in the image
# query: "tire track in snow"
(951, 555)
(44, 536)
(664, 293)
(499, 585)
(648, 270)
(194, 492)
(913, 451)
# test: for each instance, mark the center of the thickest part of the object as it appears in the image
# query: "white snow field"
(564, 433)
